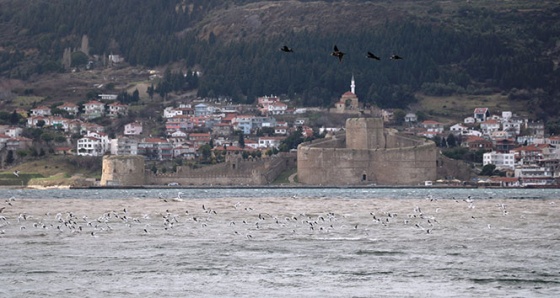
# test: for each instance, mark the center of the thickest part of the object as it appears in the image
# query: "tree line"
(478, 51)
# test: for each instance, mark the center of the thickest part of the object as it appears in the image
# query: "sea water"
(322, 242)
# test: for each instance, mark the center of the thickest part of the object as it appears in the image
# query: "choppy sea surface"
(280, 242)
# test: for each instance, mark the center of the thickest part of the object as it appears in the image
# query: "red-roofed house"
(69, 107)
(480, 114)
(94, 109)
(489, 126)
(528, 154)
(432, 126)
(477, 143)
(200, 139)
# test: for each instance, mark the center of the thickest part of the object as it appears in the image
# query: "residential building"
(502, 161)
(477, 143)
(155, 149)
(513, 125)
(270, 142)
(35, 121)
(489, 126)
(469, 120)
(117, 108)
(94, 109)
(432, 126)
(274, 108)
(535, 175)
(527, 154)
(504, 145)
(200, 139)
(458, 129)
(42, 111)
(221, 129)
(265, 100)
(535, 128)
(180, 122)
(170, 112)
(108, 96)
(410, 118)
(201, 110)
(243, 123)
(71, 108)
(124, 146)
(11, 131)
(90, 146)
(133, 129)
(480, 114)
(184, 152)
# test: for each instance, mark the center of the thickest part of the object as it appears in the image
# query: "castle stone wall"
(122, 170)
(399, 160)
(234, 172)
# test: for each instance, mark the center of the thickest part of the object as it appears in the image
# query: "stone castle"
(367, 154)
(129, 170)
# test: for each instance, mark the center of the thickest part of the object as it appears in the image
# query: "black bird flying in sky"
(337, 53)
(372, 56)
(396, 57)
(286, 49)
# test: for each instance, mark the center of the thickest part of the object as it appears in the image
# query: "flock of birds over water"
(240, 219)
(339, 54)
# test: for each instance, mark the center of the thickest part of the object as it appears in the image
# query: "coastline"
(279, 186)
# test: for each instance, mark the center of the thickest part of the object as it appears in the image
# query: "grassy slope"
(54, 170)
(453, 109)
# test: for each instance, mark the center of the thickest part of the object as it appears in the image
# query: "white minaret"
(353, 86)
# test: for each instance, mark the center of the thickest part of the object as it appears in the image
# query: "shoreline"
(280, 186)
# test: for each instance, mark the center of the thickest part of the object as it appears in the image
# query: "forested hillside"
(449, 47)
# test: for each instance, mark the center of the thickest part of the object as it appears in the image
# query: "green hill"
(451, 48)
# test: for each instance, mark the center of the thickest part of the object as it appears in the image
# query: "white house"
(433, 126)
(513, 125)
(133, 129)
(69, 107)
(117, 108)
(469, 120)
(534, 175)
(275, 108)
(108, 96)
(506, 115)
(269, 142)
(489, 126)
(11, 131)
(481, 114)
(94, 109)
(124, 146)
(41, 111)
(500, 160)
(458, 129)
(410, 118)
(90, 146)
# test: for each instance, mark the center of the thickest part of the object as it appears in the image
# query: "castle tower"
(122, 170)
(365, 133)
